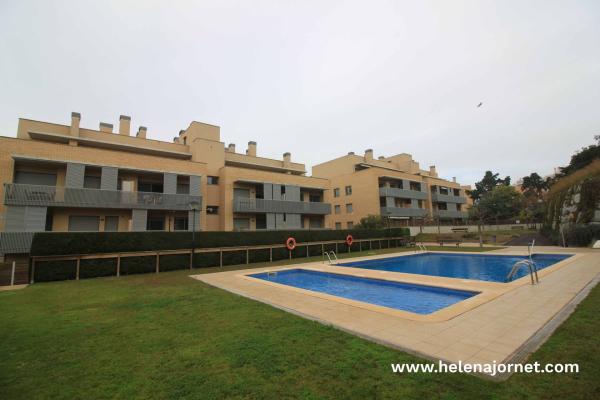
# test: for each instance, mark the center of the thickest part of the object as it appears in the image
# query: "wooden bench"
(455, 241)
(456, 230)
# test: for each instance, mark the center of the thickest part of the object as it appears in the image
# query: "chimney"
(287, 159)
(251, 149)
(231, 148)
(350, 153)
(432, 171)
(454, 179)
(381, 158)
(104, 127)
(124, 125)
(75, 119)
(141, 133)
(369, 155)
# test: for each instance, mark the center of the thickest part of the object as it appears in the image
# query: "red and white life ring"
(290, 243)
(349, 240)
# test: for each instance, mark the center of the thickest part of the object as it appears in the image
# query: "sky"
(319, 78)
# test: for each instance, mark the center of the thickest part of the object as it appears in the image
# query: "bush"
(95, 268)
(138, 265)
(63, 243)
(46, 271)
(582, 235)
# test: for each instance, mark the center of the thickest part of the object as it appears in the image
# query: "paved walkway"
(472, 331)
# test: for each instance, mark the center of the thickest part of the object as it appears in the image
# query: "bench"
(517, 227)
(455, 241)
(456, 230)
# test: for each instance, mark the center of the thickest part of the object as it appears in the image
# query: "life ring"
(349, 240)
(290, 243)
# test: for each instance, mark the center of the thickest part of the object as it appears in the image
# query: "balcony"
(402, 193)
(247, 205)
(59, 196)
(403, 212)
(445, 198)
(450, 214)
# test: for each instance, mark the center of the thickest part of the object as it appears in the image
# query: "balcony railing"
(247, 205)
(403, 212)
(402, 193)
(446, 198)
(59, 196)
(450, 214)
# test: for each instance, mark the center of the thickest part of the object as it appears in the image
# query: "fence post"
(307, 252)
(336, 247)
(360, 246)
(157, 262)
(31, 278)
(191, 259)
(270, 254)
(221, 258)
(12, 274)
(247, 256)
(78, 266)
(118, 265)
(322, 248)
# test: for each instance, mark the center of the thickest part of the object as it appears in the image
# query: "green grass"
(168, 336)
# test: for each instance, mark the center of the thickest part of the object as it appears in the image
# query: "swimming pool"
(418, 299)
(484, 267)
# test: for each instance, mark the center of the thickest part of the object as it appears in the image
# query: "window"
(183, 188)
(338, 225)
(457, 192)
(212, 180)
(212, 210)
(416, 186)
(350, 225)
(336, 192)
(111, 223)
(155, 224)
(314, 198)
(35, 178)
(241, 224)
(180, 224)
(443, 190)
(84, 223)
(91, 182)
(348, 190)
(150, 187)
(349, 208)
(337, 209)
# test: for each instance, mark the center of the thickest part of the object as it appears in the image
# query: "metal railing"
(533, 272)
(402, 193)
(446, 198)
(403, 212)
(450, 214)
(60, 196)
(244, 204)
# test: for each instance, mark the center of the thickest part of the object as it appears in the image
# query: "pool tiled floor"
(492, 328)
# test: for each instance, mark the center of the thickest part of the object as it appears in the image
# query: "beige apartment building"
(69, 178)
(394, 187)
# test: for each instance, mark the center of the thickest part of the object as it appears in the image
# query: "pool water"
(418, 299)
(483, 267)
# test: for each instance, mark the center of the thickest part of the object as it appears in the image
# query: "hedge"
(64, 243)
(45, 244)
(582, 235)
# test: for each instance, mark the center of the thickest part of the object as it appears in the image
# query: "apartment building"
(394, 187)
(68, 178)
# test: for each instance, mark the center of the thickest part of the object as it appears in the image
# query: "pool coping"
(486, 290)
(505, 329)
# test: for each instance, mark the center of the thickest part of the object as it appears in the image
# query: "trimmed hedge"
(88, 243)
(63, 243)
(582, 235)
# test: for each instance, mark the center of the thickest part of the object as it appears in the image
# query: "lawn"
(168, 336)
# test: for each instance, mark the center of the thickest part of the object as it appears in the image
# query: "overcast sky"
(319, 78)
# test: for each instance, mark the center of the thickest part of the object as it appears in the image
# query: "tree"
(372, 222)
(534, 184)
(502, 202)
(487, 184)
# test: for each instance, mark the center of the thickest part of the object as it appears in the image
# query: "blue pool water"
(484, 267)
(402, 296)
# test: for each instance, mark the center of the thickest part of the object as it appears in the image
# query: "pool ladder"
(421, 247)
(530, 264)
(331, 257)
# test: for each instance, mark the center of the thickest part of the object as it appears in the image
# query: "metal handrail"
(532, 270)
(330, 256)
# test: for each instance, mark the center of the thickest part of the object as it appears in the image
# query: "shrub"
(95, 268)
(582, 235)
(46, 271)
(63, 243)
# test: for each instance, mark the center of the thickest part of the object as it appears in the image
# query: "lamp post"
(194, 207)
